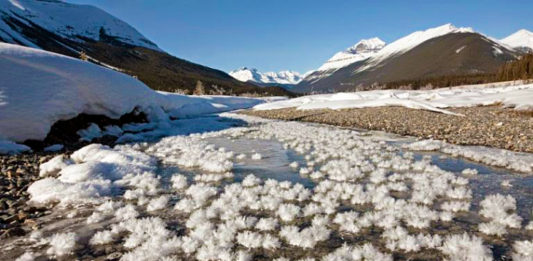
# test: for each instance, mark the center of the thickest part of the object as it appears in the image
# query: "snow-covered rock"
(39, 88)
(245, 74)
(9, 147)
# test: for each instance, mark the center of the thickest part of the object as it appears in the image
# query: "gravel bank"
(17, 172)
(491, 126)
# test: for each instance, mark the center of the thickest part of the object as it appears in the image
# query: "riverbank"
(491, 126)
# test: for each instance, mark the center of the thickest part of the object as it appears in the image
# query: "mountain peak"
(362, 50)
(521, 38)
(524, 32)
(366, 45)
(244, 68)
(412, 40)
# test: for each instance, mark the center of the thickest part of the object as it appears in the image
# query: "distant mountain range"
(84, 30)
(286, 79)
(439, 51)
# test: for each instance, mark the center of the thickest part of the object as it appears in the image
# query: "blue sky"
(298, 35)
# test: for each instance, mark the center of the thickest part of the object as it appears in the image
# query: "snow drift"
(38, 88)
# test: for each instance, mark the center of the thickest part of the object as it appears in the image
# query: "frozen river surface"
(252, 189)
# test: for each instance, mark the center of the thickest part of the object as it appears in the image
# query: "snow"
(101, 238)
(256, 156)
(362, 50)
(179, 182)
(57, 87)
(357, 253)
(157, 203)
(498, 209)
(245, 74)
(255, 213)
(28, 256)
(53, 148)
(92, 132)
(521, 38)
(523, 250)
(70, 21)
(266, 224)
(518, 96)
(97, 172)
(465, 247)
(53, 166)
(9, 147)
(522, 162)
(62, 244)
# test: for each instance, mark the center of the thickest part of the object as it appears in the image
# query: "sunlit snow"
(360, 197)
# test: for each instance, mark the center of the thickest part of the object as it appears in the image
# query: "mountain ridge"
(379, 67)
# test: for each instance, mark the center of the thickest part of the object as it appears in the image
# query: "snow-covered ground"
(280, 190)
(518, 96)
(39, 88)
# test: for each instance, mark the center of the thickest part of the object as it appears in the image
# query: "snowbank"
(519, 97)
(39, 88)
(518, 161)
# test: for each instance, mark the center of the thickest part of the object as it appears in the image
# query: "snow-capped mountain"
(74, 22)
(443, 50)
(412, 40)
(71, 29)
(522, 39)
(245, 74)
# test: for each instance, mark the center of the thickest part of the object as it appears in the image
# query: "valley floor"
(491, 126)
(258, 189)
